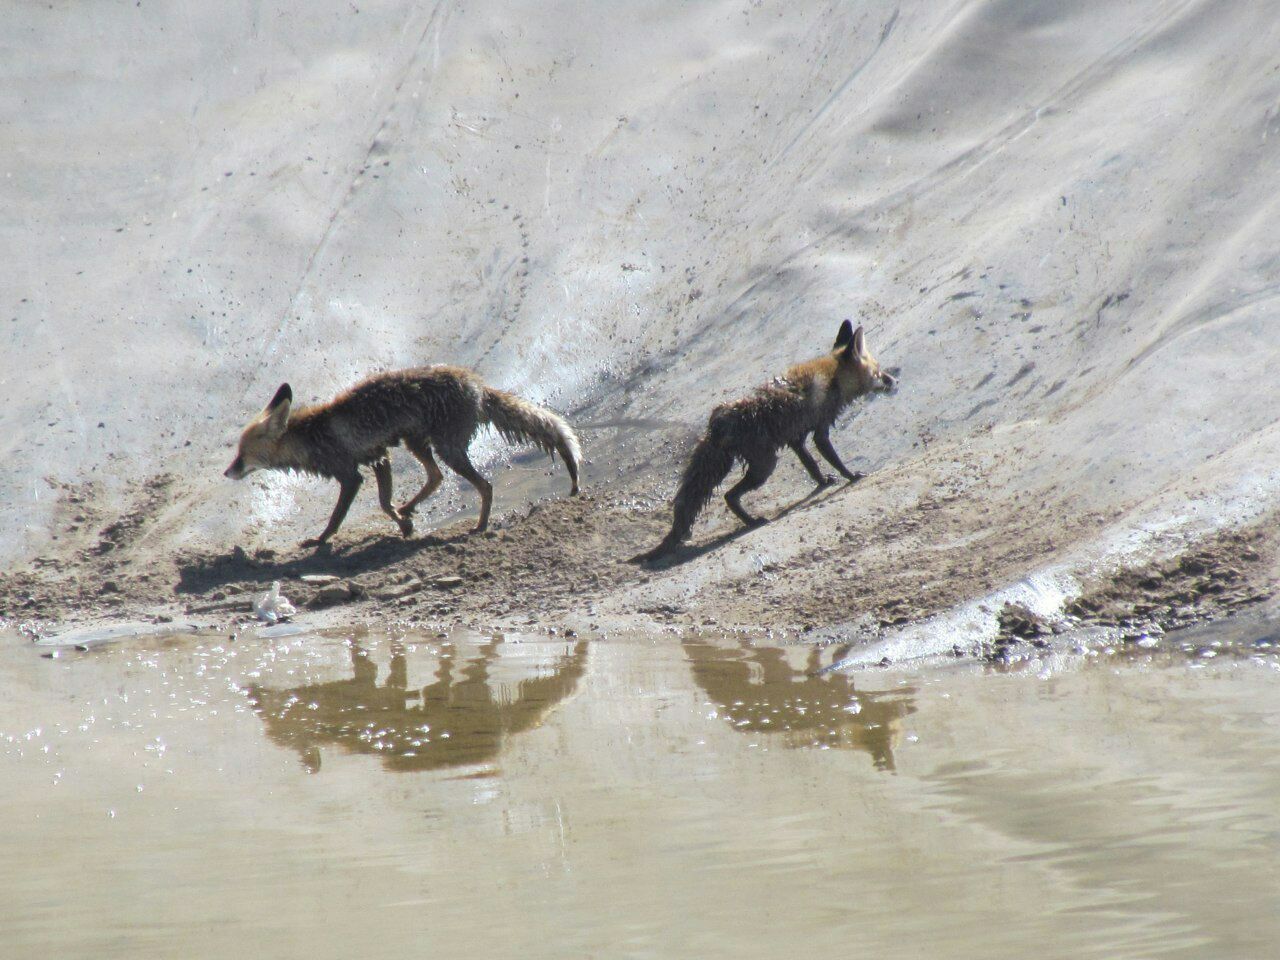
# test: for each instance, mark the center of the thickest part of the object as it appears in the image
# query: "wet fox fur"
(428, 409)
(805, 400)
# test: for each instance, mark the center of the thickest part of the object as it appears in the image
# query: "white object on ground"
(271, 607)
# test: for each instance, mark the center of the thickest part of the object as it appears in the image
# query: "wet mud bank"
(853, 564)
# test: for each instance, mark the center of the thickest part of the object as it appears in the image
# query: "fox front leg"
(822, 440)
(811, 466)
(346, 494)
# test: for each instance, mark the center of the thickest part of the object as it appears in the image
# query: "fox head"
(858, 370)
(260, 441)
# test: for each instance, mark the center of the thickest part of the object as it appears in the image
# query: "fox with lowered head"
(803, 402)
(432, 410)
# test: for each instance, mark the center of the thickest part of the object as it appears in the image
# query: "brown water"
(314, 796)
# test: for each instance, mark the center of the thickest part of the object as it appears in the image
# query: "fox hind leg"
(456, 459)
(382, 473)
(422, 451)
(760, 465)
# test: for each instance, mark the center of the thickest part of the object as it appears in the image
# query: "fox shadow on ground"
(686, 552)
(200, 574)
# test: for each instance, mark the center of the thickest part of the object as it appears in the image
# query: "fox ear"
(283, 395)
(845, 336)
(278, 409)
(859, 345)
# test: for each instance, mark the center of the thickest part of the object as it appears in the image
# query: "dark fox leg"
(457, 460)
(572, 466)
(822, 440)
(759, 466)
(382, 473)
(434, 476)
(349, 486)
(820, 478)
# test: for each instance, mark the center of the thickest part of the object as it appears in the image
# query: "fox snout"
(236, 471)
(888, 382)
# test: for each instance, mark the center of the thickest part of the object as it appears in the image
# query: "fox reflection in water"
(461, 718)
(757, 690)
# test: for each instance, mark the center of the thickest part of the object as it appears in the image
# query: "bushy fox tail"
(710, 463)
(519, 421)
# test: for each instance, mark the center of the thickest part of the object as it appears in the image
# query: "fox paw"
(315, 543)
(660, 552)
(406, 526)
(826, 481)
(854, 477)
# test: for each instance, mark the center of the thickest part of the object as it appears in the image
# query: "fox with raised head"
(803, 401)
(431, 410)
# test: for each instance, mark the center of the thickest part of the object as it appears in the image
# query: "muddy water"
(331, 796)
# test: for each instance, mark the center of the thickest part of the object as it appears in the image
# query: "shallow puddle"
(368, 796)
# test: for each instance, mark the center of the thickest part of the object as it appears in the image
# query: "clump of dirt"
(1215, 578)
(1019, 627)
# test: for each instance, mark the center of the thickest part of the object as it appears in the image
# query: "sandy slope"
(1057, 219)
